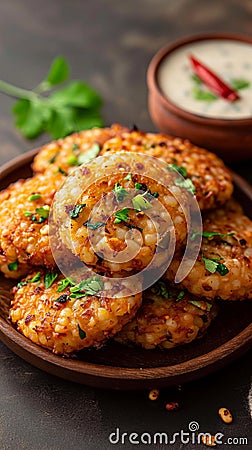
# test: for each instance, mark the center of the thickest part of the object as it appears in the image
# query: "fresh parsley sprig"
(59, 112)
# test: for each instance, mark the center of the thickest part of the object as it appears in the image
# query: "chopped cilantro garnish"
(27, 213)
(34, 279)
(140, 203)
(239, 83)
(72, 161)
(180, 296)
(49, 279)
(140, 186)
(186, 184)
(90, 286)
(74, 214)
(128, 177)
(181, 170)
(205, 306)
(120, 192)
(13, 266)
(60, 170)
(75, 146)
(210, 234)
(34, 197)
(63, 284)
(213, 265)
(62, 298)
(94, 225)
(89, 155)
(82, 333)
(43, 212)
(160, 288)
(122, 215)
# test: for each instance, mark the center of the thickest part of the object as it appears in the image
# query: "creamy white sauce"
(231, 60)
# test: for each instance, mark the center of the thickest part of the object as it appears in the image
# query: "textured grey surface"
(109, 44)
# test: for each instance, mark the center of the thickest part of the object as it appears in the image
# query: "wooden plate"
(117, 367)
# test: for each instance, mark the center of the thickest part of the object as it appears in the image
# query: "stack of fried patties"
(65, 317)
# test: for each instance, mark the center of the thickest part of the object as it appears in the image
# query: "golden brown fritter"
(208, 173)
(65, 154)
(167, 318)
(230, 256)
(73, 318)
(136, 213)
(24, 229)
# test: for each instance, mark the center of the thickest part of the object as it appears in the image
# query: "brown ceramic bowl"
(231, 139)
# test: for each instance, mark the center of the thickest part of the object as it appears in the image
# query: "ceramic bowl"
(231, 139)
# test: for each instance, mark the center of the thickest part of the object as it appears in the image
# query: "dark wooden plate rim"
(42, 358)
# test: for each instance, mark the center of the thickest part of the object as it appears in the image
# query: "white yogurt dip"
(231, 60)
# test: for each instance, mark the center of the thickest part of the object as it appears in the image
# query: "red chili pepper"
(213, 81)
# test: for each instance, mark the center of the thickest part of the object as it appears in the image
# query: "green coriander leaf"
(27, 213)
(186, 184)
(180, 296)
(203, 96)
(94, 225)
(122, 215)
(210, 234)
(62, 298)
(58, 72)
(43, 212)
(239, 83)
(210, 264)
(84, 119)
(140, 203)
(181, 170)
(13, 266)
(34, 197)
(205, 306)
(78, 94)
(160, 288)
(222, 269)
(72, 161)
(61, 122)
(35, 279)
(91, 286)
(120, 193)
(196, 79)
(49, 279)
(74, 214)
(29, 117)
(53, 158)
(60, 170)
(128, 177)
(75, 147)
(63, 284)
(89, 155)
(82, 333)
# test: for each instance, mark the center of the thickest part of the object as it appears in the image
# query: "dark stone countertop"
(109, 44)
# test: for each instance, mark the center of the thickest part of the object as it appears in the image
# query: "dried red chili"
(213, 81)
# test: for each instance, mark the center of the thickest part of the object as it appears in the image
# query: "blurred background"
(108, 43)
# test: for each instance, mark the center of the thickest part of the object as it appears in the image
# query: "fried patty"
(211, 178)
(167, 318)
(66, 318)
(67, 153)
(24, 229)
(228, 255)
(122, 219)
